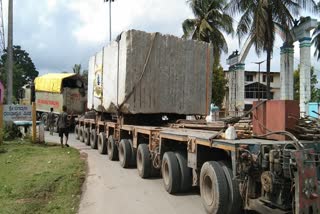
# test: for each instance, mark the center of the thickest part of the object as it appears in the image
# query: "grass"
(39, 179)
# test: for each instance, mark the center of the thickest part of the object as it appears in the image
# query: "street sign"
(17, 112)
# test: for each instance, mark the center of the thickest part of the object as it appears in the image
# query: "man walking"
(63, 126)
(50, 121)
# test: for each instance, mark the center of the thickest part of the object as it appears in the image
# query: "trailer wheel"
(235, 201)
(81, 134)
(93, 139)
(112, 149)
(76, 131)
(125, 153)
(143, 161)
(87, 136)
(185, 171)
(102, 143)
(171, 173)
(44, 120)
(133, 162)
(214, 188)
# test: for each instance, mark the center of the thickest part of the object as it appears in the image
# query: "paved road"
(111, 189)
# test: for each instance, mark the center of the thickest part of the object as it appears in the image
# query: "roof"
(51, 82)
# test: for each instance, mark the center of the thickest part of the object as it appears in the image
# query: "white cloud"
(141, 14)
(60, 33)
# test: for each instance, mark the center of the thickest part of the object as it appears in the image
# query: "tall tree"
(260, 18)
(315, 92)
(209, 24)
(24, 70)
(218, 85)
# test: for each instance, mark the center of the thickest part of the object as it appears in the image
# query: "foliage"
(259, 20)
(24, 70)
(11, 132)
(209, 23)
(40, 179)
(77, 69)
(218, 85)
(83, 73)
(315, 92)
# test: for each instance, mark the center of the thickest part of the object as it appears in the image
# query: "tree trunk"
(268, 74)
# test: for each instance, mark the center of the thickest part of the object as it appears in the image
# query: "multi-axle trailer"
(233, 175)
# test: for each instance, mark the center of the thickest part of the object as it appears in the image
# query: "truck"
(130, 121)
(54, 90)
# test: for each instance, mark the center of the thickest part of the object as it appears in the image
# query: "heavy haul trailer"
(142, 77)
(262, 175)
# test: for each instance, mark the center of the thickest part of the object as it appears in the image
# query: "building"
(256, 87)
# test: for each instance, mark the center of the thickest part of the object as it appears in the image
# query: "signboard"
(17, 112)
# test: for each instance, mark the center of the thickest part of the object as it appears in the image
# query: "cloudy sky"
(61, 33)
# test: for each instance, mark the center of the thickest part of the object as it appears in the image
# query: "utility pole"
(10, 52)
(110, 1)
(259, 92)
(2, 40)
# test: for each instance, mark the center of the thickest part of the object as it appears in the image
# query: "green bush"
(11, 132)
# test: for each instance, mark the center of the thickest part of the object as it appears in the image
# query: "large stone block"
(148, 73)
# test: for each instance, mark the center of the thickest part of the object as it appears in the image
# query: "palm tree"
(261, 17)
(209, 23)
(316, 38)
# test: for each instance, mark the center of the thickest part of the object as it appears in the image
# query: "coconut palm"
(316, 38)
(259, 19)
(209, 24)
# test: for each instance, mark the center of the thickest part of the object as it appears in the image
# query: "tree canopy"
(24, 70)
(209, 24)
(315, 92)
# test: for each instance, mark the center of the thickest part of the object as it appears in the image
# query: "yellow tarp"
(51, 82)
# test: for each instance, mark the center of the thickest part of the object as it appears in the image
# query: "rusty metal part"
(267, 181)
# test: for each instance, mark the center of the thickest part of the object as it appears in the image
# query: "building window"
(249, 78)
(264, 78)
(252, 91)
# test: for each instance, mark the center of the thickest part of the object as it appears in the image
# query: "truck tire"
(102, 143)
(171, 173)
(214, 188)
(125, 153)
(81, 134)
(143, 161)
(44, 120)
(76, 131)
(133, 154)
(93, 139)
(87, 136)
(235, 200)
(112, 149)
(185, 171)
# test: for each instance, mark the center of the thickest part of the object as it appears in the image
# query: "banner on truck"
(17, 112)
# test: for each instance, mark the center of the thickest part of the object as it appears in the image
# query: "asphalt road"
(111, 189)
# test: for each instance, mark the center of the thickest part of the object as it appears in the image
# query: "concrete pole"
(286, 72)
(10, 53)
(305, 76)
(240, 87)
(235, 78)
